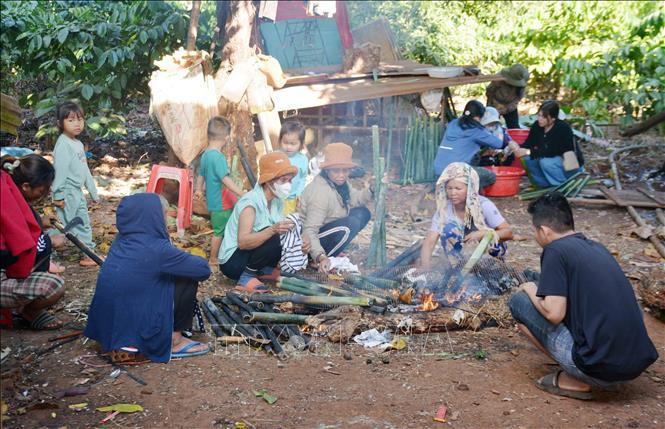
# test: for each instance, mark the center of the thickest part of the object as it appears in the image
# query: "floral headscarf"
(464, 173)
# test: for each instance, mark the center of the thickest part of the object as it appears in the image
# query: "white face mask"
(281, 190)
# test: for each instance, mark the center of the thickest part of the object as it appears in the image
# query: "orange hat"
(274, 165)
(338, 155)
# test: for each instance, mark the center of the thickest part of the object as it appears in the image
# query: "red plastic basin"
(507, 181)
(518, 134)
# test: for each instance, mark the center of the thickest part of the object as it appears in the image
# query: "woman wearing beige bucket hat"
(332, 212)
(251, 244)
(505, 95)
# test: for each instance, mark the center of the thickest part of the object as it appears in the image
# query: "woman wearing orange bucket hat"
(251, 244)
(331, 211)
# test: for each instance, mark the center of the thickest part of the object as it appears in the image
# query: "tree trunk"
(193, 25)
(237, 49)
(641, 127)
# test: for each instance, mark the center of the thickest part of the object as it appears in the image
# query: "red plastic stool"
(185, 194)
(6, 319)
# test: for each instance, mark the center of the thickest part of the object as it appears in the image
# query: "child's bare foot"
(54, 268)
(87, 262)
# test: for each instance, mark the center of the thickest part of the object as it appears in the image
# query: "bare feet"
(568, 382)
(87, 262)
(54, 268)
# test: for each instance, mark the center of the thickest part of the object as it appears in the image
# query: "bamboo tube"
(214, 323)
(477, 253)
(298, 319)
(316, 299)
(334, 289)
(235, 299)
(270, 335)
(374, 281)
(323, 288)
(296, 289)
(374, 252)
(391, 117)
(376, 154)
(583, 183)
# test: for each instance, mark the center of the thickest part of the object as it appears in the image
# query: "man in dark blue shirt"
(583, 312)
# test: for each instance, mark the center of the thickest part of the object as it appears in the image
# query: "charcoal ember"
(507, 283)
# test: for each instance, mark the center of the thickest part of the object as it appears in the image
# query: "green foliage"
(96, 53)
(606, 59)
(631, 76)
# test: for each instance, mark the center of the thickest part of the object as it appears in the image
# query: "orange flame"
(427, 302)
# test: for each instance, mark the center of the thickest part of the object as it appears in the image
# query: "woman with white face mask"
(251, 245)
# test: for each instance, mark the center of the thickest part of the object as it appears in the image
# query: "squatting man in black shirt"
(582, 312)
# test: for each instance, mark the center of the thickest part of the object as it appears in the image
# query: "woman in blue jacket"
(146, 289)
(464, 137)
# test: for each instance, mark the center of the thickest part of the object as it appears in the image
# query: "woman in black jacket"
(543, 151)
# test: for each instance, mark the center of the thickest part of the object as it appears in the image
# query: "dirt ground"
(484, 378)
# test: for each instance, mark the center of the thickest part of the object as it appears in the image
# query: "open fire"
(427, 302)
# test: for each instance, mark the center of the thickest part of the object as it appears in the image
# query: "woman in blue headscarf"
(146, 289)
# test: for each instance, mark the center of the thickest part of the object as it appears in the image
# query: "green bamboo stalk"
(297, 289)
(322, 288)
(339, 291)
(564, 190)
(376, 152)
(407, 153)
(585, 180)
(374, 242)
(375, 281)
(477, 253)
(316, 300)
(278, 318)
(391, 118)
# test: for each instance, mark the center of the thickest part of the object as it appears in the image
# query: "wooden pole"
(653, 238)
(193, 25)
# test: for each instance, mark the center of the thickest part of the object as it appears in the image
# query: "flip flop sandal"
(253, 286)
(550, 384)
(42, 322)
(183, 352)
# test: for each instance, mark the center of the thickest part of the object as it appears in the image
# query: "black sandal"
(550, 384)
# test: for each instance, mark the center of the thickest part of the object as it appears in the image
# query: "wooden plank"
(303, 96)
(652, 195)
(393, 68)
(606, 202)
(609, 193)
(629, 197)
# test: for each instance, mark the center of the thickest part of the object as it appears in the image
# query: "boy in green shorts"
(215, 172)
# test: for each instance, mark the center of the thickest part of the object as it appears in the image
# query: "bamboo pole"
(280, 318)
(214, 323)
(315, 299)
(297, 289)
